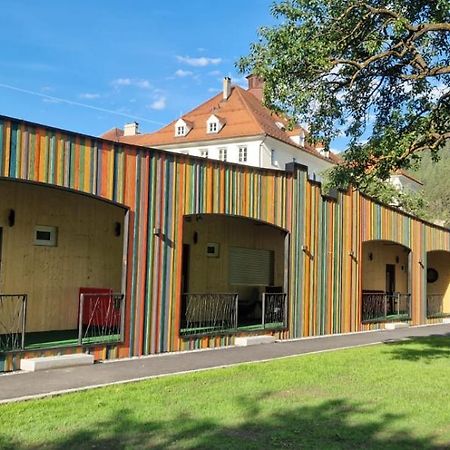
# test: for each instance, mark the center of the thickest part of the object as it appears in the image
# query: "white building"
(234, 126)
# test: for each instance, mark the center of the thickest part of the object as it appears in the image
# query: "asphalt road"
(21, 385)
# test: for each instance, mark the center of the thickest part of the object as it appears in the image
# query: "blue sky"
(147, 59)
(88, 66)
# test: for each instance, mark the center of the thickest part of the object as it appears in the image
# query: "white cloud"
(203, 61)
(158, 104)
(89, 96)
(51, 100)
(214, 73)
(183, 73)
(139, 83)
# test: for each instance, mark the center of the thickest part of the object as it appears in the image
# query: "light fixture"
(117, 229)
(11, 217)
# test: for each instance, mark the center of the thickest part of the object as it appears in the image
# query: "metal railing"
(206, 313)
(377, 306)
(101, 318)
(435, 306)
(215, 313)
(274, 310)
(13, 312)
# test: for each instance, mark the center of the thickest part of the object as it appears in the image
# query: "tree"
(377, 70)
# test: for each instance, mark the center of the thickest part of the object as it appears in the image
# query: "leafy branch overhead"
(379, 70)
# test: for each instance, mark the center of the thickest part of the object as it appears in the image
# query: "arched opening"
(386, 291)
(61, 267)
(438, 284)
(234, 275)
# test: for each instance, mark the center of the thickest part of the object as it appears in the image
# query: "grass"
(394, 396)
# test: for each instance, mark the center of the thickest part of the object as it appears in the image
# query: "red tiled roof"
(408, 175)
(243, 115)
(114, 134)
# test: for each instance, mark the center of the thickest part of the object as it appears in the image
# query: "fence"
(213, 313)
(13, 309)
(101, 318)
(380, 307)
(274, 310)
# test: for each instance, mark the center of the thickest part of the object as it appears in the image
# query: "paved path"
(21, 385)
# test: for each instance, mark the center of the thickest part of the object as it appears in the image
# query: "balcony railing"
(435, 306)
(379, 307)
(216, 313)
(101, 318)
(274, 310)
(13, 308)
(206, 313)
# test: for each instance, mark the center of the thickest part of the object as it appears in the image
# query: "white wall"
(259, 154)
(285, 153)
(403, 183)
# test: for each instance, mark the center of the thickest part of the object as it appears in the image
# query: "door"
(390, 287)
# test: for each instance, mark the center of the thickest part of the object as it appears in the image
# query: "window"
(243, 154)
(212, 127)
(181, 130)
(272, 157)
(223, 154)
(45, 236)
(204, 153)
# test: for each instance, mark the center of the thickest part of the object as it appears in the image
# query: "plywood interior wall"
(440, 261)
(211, 274)
(374, 271)
(88, 254)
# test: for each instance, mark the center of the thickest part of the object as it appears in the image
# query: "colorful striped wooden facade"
(159, 188)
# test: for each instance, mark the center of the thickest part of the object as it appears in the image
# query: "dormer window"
(182, 127)
(214, 124)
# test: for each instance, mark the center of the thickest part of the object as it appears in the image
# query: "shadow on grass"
(421, 348)
(334, 424)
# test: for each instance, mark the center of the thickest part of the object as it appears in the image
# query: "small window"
(204, 153)
(181, 130)
(301, 140)
(212, 250)
(45, 236)
(432, 275)
(223, 154)
(243, 154)
(272, 157)
(212, 127)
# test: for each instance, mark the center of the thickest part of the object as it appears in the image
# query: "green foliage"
(378, 69)
(436, 190)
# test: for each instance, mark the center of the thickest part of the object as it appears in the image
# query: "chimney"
(255, 86)
(131, 129)
(226, 87)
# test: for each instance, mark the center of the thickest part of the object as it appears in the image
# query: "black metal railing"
(13, 312)
(211, 312)
(435, 306)
(274, 310)
(101, 318)
(378, 306)
(215, 313)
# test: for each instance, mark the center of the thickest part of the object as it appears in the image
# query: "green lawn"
(386, 396)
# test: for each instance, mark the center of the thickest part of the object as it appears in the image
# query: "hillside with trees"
(436, 193)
